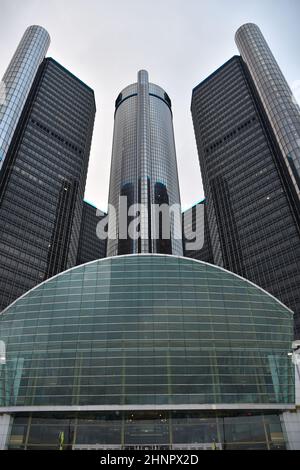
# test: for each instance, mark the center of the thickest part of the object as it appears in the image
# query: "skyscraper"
(42, 181)
(252, 212)
(144, 167)
(17, 81)
(90, 247)
(279, 104)
(192, 230)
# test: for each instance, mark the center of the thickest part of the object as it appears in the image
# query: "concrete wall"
(291, 419)
(291, 426)
(5, 421)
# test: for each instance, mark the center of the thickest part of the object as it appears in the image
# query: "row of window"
(54, 134)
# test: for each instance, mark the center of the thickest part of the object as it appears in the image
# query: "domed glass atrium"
(146, 351)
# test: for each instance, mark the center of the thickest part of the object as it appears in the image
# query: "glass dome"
(146, 331)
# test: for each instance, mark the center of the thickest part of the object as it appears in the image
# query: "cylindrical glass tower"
(144, 169)
(17, 81)
(277, 98)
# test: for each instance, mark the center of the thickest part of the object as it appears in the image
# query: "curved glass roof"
(146, 331)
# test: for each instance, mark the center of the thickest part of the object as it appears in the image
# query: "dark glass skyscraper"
(90, 247)
(17, 81)
(192, 230)
(42, 181)
(252, 209)
(144, 166)
(279, 104)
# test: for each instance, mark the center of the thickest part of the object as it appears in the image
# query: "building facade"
(291, 419)
(144, 169)
(252, 212)
(159, 352)
(90, 246)
(17, 82)
(276, 96)
(42, 181)
(196, 229)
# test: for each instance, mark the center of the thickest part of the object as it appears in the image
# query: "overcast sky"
(179, 42)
